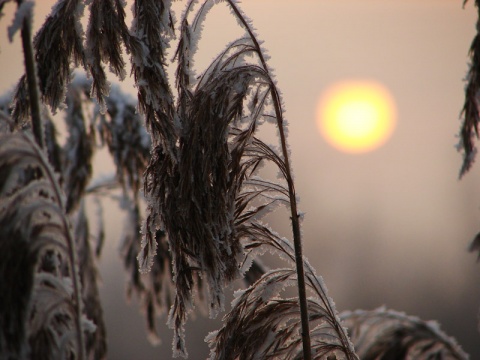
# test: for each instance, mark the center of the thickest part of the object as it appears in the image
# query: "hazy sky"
(390, 227)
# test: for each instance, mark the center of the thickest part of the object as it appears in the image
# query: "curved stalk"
(297, 238)
(72, 255)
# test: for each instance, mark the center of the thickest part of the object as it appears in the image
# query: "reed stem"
(297, 237)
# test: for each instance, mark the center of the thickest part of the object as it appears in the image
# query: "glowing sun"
(356, 116)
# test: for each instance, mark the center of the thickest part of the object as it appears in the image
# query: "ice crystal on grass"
(204, 189)
(57, 44)
(200, 165)
(271, 323)
(41, 307)
(385, 334)
(151, 30)
(105, 34)
(263, 325)
(24, 12)
(121, 130)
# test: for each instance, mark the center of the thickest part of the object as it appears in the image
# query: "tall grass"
(195, 148)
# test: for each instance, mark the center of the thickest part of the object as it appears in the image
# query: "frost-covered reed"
(196, 150)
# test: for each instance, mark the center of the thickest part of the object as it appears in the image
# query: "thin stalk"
(297, 238)
(72, 255)
(30, 70)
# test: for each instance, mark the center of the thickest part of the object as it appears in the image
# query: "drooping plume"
(41, 305)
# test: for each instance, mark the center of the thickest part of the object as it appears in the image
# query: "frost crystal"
(23, 13)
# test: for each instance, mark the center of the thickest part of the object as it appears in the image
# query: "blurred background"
(388, 227)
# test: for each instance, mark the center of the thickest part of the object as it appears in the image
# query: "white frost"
(24, 12)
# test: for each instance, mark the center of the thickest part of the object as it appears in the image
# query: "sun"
(356, 116)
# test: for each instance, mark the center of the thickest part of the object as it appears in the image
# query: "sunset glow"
(356, 116)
